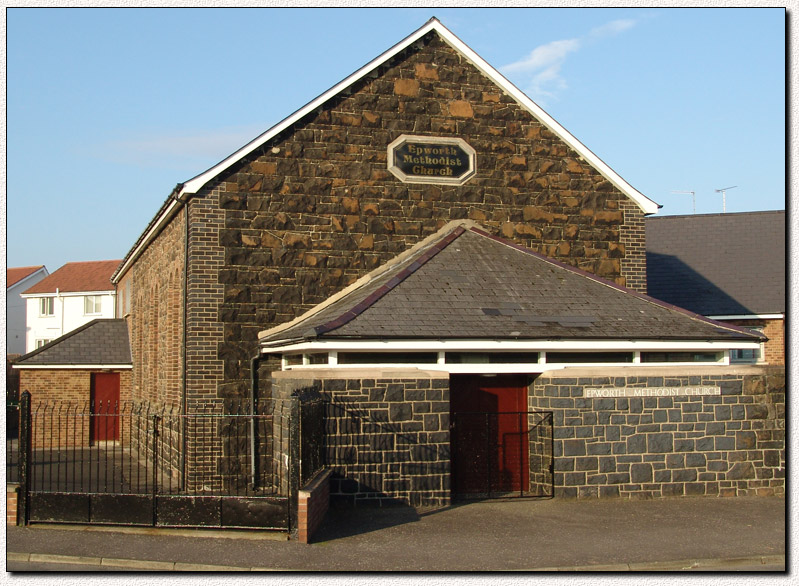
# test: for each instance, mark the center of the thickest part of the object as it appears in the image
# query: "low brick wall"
(312, 506)
(12, 499)
(730, 444)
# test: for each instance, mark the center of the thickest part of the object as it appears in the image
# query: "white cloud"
(612, 28)
(542, 67)
(546, 56)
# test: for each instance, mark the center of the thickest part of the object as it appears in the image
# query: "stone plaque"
(611, 392)
(431, 159)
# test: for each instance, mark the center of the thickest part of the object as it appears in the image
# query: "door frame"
(488, 405)
(104, 421)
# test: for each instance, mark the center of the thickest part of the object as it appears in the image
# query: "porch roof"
(465, 284)
(99, 343)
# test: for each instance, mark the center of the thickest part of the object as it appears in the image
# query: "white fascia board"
(68, 294)
(194, 185)
(648, 206)
(748, 316)
(505, 346)
(530, 368)
(154, 230)
(72, 366)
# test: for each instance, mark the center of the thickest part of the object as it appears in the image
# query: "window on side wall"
(46, 306)
(40, 343)
(750, 356)
(92, 305)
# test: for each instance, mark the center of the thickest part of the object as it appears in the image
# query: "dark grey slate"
(718, 264)
(469, 285)
(101, 341)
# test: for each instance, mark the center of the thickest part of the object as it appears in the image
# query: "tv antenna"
(693, 197)
(723, 192)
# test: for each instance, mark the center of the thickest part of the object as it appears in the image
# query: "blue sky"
(108, 109)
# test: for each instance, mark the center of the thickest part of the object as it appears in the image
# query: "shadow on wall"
(669, 279)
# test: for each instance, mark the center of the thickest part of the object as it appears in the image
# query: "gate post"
(294, 463)
(156, 432)
(25, 456)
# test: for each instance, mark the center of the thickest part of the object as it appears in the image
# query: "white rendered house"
(75, 294)
(18, 279)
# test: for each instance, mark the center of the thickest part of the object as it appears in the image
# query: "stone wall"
(316, 208)
(387, 436)
(718, 445)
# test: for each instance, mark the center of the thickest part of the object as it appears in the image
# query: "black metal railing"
(503, 454)
(147, 450)
(311, 437)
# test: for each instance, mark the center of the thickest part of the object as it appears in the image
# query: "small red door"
(490, 452)
(105, 406)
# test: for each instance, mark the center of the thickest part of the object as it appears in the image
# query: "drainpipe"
(61, 299)
(255, 361)
(184, 383)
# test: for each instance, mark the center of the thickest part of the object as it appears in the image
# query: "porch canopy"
(466, 301)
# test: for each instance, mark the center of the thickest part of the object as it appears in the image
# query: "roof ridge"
(381, 291)
(369, 277)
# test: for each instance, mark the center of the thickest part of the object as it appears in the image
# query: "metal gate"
(165, 469)
(502, 455)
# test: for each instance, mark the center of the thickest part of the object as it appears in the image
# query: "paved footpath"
(744, 534)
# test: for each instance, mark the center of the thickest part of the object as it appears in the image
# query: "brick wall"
(155, 285)
(312, 506)
(775, 346)
(632, 247)
(12, 498)
(726, 445)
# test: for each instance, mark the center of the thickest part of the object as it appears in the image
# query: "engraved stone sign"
(610, 392)
(431, 159)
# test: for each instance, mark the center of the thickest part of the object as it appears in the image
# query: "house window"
(588, 357)
(40, 343)
(46, 306)
(387, 357)
(679, 357)
(491, 357)
(92, 305)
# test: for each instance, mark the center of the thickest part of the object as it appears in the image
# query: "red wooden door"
(490, 452)
(105, 406)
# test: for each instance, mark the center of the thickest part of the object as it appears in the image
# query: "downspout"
(184, 382)
(255, 362)
(61, 299)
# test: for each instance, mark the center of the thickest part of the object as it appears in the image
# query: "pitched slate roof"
(99, 342)
(183, 191)
(74, 277)
(718, 264)
(467, 284)
(15, 274)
